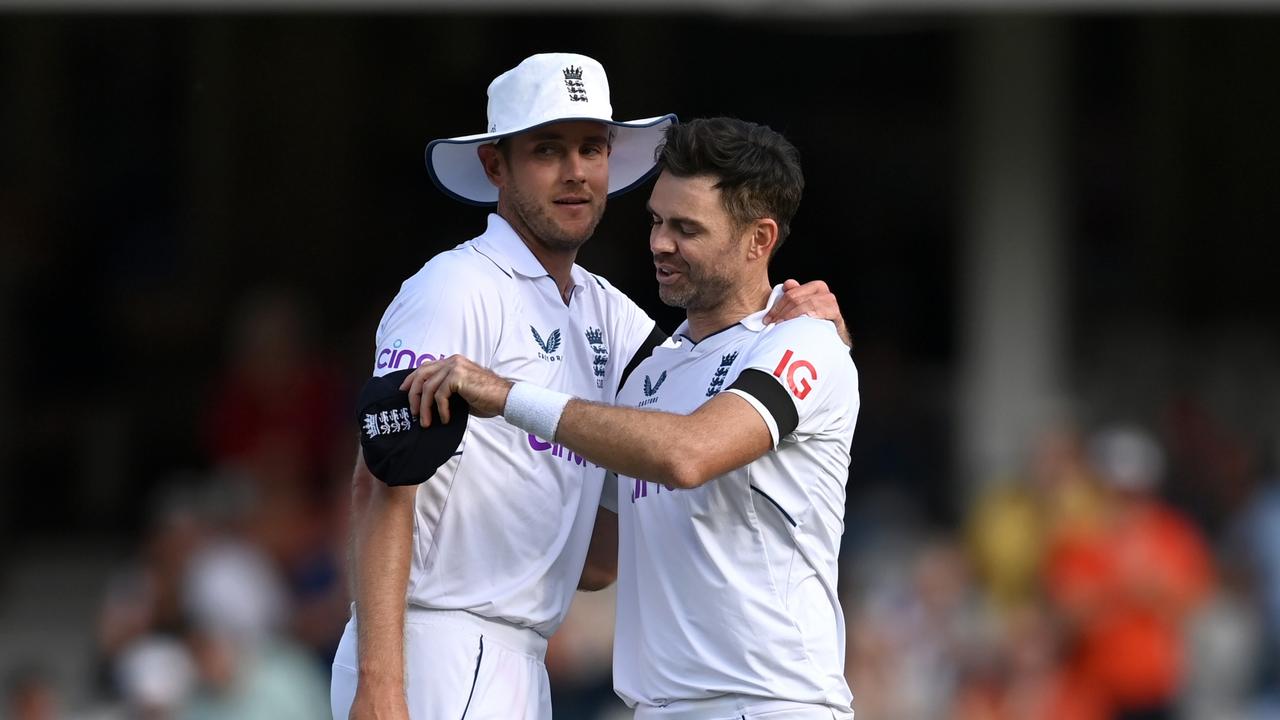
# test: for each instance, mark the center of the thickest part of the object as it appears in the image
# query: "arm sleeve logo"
(800, 386)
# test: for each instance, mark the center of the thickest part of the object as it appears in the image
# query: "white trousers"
(739, 707)
(458, 666)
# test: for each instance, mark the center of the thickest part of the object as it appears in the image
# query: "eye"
(545, 150)
(688, 230)
(654, 220)
(593, 151)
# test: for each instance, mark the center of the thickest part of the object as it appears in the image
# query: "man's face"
(557, 181)
(697, 248)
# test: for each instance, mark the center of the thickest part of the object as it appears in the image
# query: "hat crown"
(548, 87)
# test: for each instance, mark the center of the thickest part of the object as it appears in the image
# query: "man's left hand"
(814, 299)
(436, 381)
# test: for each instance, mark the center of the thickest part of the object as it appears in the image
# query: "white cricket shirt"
(502, 528)
(730, 588)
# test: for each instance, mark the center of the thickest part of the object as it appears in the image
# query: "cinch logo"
(803, 368)
(641, 489)
(396, 357)
(717, 380)
(651, 389)
(595, 338)
(557, 450)
(549, 347)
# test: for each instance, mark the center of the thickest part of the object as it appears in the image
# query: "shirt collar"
(504, 246)
(753, 322)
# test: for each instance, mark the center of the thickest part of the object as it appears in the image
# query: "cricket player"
(462, 572)
(731, 445)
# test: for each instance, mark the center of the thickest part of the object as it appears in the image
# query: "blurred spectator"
(145, 597)
(155, 675)
(247, 668)
(1127, 588)
(1011, 524)
(30, 695)
(278, 424)
(911, 632)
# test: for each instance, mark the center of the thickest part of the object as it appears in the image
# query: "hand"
(371, 705)
(436, 381)
(813, 299)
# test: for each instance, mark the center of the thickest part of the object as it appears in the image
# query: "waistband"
(724, 706)
(520, 639)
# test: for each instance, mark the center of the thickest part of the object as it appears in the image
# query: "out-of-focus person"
(1127, 588)
(30, 694)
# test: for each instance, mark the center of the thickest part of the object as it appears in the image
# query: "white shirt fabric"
(501, 530)
(730, 588)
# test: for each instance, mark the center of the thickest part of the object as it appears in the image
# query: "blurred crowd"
(1078, 589)
(1125, 572)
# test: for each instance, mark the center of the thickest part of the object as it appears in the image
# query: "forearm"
(636, 443)
(383, 549)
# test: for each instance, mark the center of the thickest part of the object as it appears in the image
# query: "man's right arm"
(383, 547)
(451, 306)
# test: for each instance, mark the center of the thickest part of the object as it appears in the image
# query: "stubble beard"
(547, 231)
(700, 290)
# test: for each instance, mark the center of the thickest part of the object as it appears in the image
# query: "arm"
(382, 545)
(601, 568)
(679, 451)
(814, 299)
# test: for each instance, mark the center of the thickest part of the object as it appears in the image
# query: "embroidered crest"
(722, 372)
(573, 83)
(600, 360)
(386, 422)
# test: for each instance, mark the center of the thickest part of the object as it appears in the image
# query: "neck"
(737, 304)
(557, 263)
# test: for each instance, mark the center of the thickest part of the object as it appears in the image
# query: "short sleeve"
(798, 375)
(450, 307)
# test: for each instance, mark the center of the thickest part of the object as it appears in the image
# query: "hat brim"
(455, 169)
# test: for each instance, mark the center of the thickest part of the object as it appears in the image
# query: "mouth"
(667, 274)
(573, 200)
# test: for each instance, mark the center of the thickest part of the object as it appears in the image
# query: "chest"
(679, 381)
(566, 347)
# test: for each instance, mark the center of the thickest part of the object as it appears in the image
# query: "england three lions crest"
(600, 354)
(573, 84)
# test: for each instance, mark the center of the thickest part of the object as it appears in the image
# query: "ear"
(763, 236)
(492, 161)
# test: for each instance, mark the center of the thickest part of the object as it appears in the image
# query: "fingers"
(442, 393)
(415, 383)
(428, 395)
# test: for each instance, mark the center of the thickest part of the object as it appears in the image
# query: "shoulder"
(808, 333)
(460, 275)
(461, 269)
(807, 346)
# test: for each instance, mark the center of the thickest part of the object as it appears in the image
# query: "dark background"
(158, 173)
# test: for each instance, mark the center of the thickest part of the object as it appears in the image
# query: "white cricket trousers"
(739, 707)
(458, 666)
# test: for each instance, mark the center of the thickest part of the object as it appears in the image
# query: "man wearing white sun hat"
(465, 565)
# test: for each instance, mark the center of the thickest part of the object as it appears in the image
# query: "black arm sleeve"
(761, 386)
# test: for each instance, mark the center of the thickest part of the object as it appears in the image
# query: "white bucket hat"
(544, 89)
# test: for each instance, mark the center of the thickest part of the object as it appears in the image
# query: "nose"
(660, 242)
(575, 169)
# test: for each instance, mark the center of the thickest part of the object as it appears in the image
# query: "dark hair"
(757, 170)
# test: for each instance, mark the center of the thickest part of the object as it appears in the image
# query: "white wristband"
(535, 409)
